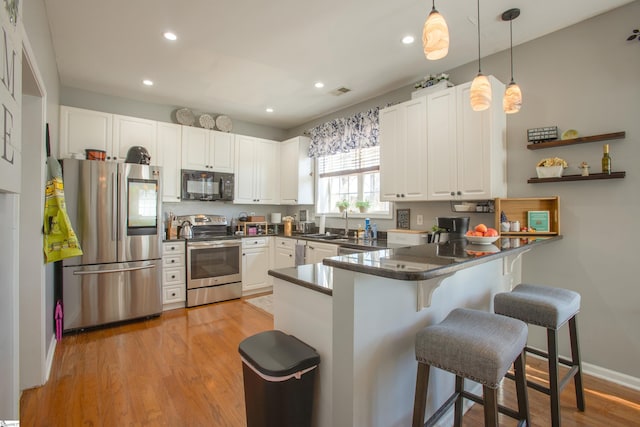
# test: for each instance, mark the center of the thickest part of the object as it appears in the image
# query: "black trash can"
(279, 374)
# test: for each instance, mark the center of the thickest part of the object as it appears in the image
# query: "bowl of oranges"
(482, 235)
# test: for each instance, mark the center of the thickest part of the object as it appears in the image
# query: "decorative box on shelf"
(540, 213)
(549, 171)
(542, 134)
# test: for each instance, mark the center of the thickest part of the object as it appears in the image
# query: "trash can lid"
(275, 353)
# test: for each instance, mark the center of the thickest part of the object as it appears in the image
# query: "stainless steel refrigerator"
(116, 211)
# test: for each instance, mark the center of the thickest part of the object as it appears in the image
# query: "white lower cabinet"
(174, 276)
(284, 253)
(316, 252)
(255, 265)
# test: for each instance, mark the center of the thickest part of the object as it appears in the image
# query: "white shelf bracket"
(426, 288)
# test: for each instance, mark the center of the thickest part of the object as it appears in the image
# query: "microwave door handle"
(221, 187)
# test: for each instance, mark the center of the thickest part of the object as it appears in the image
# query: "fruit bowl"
(481, 240)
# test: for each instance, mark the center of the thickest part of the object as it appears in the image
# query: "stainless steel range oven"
(214, 261)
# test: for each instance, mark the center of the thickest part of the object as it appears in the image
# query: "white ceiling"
(236, 57)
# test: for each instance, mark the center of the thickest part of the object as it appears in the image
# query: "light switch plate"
(419, 219)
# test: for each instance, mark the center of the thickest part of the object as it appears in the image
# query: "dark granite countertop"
(411, 263)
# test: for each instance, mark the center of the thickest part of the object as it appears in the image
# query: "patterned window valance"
(345, 134)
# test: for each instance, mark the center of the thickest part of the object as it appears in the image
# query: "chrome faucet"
(346, 224)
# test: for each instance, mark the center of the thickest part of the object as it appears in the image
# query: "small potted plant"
(342, 205)
(363, 205)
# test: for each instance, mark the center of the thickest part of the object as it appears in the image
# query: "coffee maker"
(454, 228)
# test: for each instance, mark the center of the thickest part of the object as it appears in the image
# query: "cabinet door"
(414, 155)
(169, 156)
(283, 258)
(391, 146)
(267, 177)
(132, 131)
(195, 148)
(221, 148)
(441, 145)
(245, 170)
(481, 146)
(255, 265)
(84, 129)
(296, 177)
(316, 252)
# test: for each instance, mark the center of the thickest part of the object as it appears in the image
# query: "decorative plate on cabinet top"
(206, 121)
(224, 123)
(185, 117)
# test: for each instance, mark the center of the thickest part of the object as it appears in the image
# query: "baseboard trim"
(602, 373)
(49, 363)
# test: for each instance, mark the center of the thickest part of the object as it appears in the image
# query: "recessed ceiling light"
(170, 36)
(319, 85)
(147, 82)
(269, 110)
(408, 39)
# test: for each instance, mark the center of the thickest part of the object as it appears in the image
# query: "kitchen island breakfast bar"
(361, 312)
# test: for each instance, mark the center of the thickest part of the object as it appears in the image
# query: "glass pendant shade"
(480, 94)
(512, 101)
(435, 36)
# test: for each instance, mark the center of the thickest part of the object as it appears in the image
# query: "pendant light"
(480, 94)
(435, 35)
(512, 101)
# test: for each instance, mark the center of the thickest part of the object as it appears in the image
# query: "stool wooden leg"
(490, 406)
(457, 415)
(554, 388)
(420, 401)
(575, 357)
(521, 389)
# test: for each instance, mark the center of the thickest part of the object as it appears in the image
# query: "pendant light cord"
(479, 68)
(511, 43)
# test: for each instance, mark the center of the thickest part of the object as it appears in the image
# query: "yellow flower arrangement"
(552, 161)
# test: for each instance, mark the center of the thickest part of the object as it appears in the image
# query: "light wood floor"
(183, 369)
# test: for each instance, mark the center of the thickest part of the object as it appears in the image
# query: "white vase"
(549, 171)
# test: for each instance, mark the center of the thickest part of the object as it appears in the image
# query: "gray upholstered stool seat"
(550, 308)
(538, 305)
(476, 345)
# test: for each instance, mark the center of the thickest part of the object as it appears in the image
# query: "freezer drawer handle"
(117, 270)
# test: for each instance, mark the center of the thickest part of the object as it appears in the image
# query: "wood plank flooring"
(183, 369)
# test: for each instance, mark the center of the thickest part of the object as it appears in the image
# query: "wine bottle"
(606, 160)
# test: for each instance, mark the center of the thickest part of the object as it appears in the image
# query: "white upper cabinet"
(296, 175)
(207, 150)
(130, 132)
(403, 151)
(82, 129)
(169, 157)
(257, 171)
(466, 149)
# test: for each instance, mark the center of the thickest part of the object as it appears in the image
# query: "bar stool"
(550, 308)
(479, 346)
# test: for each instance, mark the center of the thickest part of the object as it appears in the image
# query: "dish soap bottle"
(606, 160)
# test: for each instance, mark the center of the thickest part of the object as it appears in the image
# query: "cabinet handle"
(173, 294)
(173, 261)
(453, 194)
(173, 277)
(290, 256)
(402, 195)
(459, 193)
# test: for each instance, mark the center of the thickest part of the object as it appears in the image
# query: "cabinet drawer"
(256, 242)
(169, 248)
(173, 276)
(173, 261)
(285, 243)
(174, 293)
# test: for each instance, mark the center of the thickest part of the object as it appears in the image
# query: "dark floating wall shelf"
(580, 140)
(614, 175)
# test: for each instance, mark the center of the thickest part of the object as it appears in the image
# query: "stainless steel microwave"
(207, 186)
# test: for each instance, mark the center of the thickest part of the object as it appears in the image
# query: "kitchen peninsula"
(361, 312)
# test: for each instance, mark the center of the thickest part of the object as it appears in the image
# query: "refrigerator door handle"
(114, 207)
(114, 270)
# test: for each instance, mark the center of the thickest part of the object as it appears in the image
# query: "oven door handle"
(213, 244)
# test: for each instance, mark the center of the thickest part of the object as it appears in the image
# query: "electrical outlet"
(419, 219)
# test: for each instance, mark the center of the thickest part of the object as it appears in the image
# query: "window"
(354, 177)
